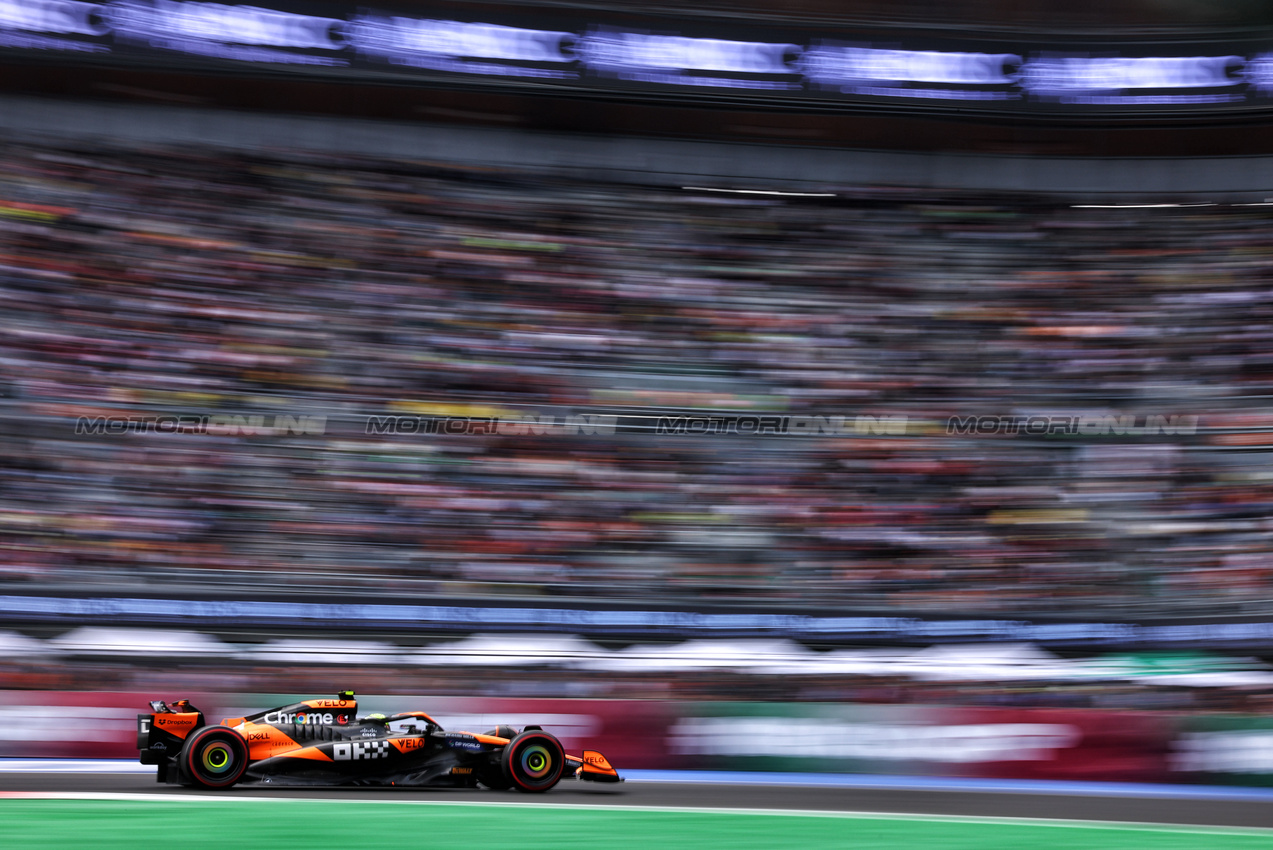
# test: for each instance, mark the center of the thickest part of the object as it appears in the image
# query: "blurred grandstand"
(161, 281)
(143, 278)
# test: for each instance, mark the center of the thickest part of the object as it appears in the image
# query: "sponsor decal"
(359, 750)
(258, 736)
(342, 719)
(178, 722)
(369, 733)
(159, 745)
(460, 741)
(461, 771)
(406, 745)
(327, 703)
(301, 718)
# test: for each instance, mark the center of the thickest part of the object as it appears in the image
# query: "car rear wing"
(162, 733)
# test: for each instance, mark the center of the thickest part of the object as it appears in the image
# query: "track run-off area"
(106, 807)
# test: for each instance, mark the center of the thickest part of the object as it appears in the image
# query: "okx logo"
(356, 750)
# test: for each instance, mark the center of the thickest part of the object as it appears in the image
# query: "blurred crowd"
(187, 281)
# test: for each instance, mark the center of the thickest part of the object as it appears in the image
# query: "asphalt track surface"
(1123, 808)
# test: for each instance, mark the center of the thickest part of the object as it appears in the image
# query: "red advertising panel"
(1108, 746)
(71, 724)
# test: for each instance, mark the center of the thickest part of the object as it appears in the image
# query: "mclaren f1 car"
(326, 742)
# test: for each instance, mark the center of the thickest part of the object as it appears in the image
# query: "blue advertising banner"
(587, 51)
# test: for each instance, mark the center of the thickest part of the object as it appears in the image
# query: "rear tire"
(533, 761)
(213, 757)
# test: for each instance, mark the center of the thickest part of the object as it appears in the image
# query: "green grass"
(105, 824)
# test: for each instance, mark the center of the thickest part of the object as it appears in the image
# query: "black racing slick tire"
(213, 757)
(533, 761)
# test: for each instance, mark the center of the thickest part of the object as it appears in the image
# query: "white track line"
(11, 765)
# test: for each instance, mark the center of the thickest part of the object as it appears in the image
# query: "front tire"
(533, 761)
(213, 757)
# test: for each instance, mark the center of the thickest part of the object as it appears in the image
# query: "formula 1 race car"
(324, 742)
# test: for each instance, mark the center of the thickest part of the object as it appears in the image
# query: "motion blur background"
(875, 218)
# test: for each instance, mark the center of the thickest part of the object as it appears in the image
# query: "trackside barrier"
(1055, 744)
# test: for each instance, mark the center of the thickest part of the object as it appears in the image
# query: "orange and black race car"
(325, 742)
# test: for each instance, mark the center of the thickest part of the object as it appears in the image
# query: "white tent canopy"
(839, 662)
(15, 646)
(985, 653)
(1229, 679)
(102, 640)
(323, 652)
(509, 650)
(986, 662)
(702, 655)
